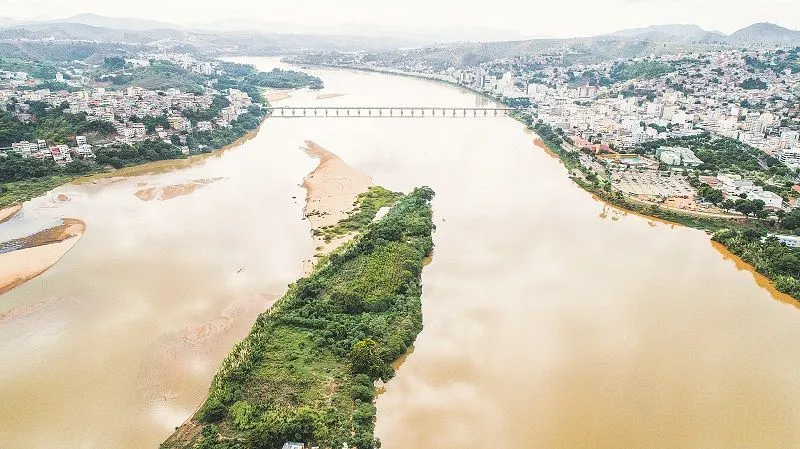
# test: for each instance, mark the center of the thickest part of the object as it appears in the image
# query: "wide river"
(550, 319)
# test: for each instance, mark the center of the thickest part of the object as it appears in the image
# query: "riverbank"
(319, 350)
(16, 193)
(9, 212)
(37, 253)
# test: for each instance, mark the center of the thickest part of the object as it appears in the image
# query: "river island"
(306, 371)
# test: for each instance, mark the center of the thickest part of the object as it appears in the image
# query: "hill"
(119, 23)
(672, 32)
(766, 34)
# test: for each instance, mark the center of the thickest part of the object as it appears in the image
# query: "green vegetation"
(753, 84)
(139, 153)
(52, 124)
(162, 75)
(769, 257)
(34, 69)
(710, 194)
(284, 79)
(306, 370)
(367, 206)
(18, 191)
(623, 71)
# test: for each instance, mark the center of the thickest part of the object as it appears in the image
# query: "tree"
(711, 194)
(114, 63)
(365, 358)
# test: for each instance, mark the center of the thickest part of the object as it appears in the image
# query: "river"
(551, 320)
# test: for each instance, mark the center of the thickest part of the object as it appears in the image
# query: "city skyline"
(568, 18)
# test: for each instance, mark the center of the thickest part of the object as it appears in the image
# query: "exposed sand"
(39, 252)
(278, 96)
(171, 360)
(8, 212)
(326, 96)
(331, 190)
(163, 193)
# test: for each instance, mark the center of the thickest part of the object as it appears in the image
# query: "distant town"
(657, 128)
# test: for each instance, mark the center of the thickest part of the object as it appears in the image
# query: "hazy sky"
(529, 17)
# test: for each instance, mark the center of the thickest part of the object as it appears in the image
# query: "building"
(772, 200)
(678, 156)
(790, 158)
(80, 140)
(792, 241)
(290, 445)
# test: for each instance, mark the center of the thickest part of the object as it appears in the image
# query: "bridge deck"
(386, 111)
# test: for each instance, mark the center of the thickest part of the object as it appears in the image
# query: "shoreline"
(152, 167)
(700, 222)
(9, 212)
(40, 252)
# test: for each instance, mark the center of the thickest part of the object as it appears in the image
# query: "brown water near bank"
(545, 324)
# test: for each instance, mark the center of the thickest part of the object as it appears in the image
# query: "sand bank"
(278, 96)
(327, 96)
(8, 212)
(331, 190)
(163, 193)
(38, 253)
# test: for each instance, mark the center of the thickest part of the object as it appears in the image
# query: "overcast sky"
(560, 18)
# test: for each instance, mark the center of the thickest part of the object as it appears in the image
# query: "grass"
(367, 206)
(306, 371)
(20, 191)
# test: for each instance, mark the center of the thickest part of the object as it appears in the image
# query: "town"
(135, 113)
(660, 129)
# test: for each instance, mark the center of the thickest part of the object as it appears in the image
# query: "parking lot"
(651, 183)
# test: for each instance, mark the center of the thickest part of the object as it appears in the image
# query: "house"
(772, 201)
(792, 241)
(290, 445)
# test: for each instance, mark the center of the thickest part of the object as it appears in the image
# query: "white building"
(771, 199)
(678, 156)
(792, 241)
(790, 158)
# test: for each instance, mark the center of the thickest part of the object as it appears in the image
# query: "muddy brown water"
(550, 319)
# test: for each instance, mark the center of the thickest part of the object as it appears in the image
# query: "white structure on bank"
(678, 156)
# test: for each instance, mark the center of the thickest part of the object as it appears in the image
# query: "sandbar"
(327, 96)
(168, 192)
(278, 96)
(8, 212)
(39, 252)
(331, 190)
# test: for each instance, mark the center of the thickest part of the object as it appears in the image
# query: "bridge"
(384, 111)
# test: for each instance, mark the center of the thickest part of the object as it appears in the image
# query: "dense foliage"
(306, 370)
(162, 75)
(52, 124)
(366, 207)
(771, 258)
(119, 156)
(623, 71)
(753, 84)
(284, 79)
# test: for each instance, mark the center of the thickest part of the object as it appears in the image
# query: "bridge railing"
(385, 111)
